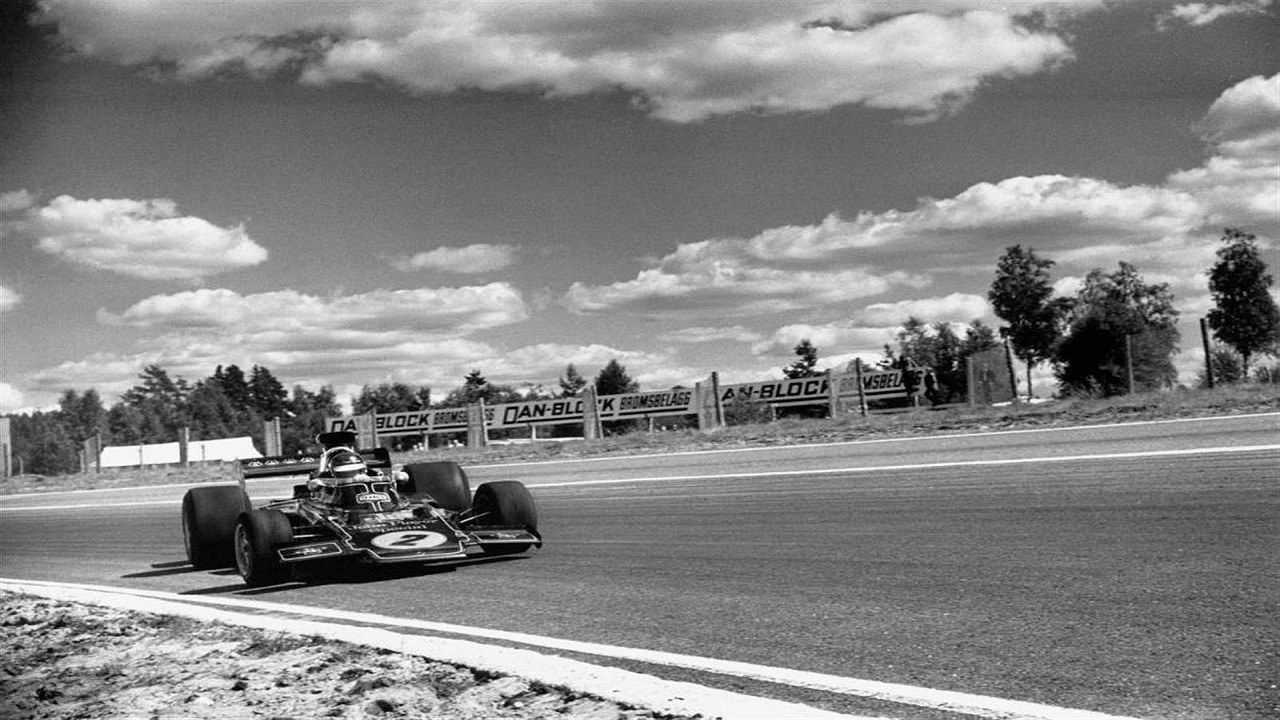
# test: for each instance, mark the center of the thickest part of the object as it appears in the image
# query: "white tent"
(167, 453)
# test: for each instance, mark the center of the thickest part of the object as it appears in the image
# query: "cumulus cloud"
(766, 273)
(956, 307)
(9, 298)
(15, 200)
(684, 61)
(845, 337)
(431, 310)
(1240, 183)
(472, 259)
(866, 331)
(406, 335)
(1197, 14)
(11, 399)
(725, 289)
(416, 336)
(1168, 229)
(141, 238)
(695, 335)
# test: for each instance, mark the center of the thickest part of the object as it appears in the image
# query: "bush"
(747, 412)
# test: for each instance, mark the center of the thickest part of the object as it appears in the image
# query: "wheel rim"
(244, 551)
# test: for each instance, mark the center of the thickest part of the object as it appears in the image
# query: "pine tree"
(161, 402)
(614, 380)
(267, 395)
(1245, 315)
(571, 383)
(806, 361)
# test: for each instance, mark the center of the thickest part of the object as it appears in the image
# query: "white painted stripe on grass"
(948, 700)
(614, 684)
(923, 466)
(913, 438)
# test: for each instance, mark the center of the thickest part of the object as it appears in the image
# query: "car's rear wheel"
(209, 522)
(442, 482)
(505, 504)
(258, 534)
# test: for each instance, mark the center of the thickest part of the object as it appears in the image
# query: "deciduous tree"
(1022, 296)
(1110, 309)
(1245, 315)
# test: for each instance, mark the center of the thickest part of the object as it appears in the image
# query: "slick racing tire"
(209, 523)
(506, 504)
(258, 534)
(442, 482)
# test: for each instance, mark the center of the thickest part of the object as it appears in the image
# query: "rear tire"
(444, 483)
(506, 504)
(258, 534)
(209, 523)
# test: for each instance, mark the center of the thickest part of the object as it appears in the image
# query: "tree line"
(1118, 332)
(228, 403)
(233, 403)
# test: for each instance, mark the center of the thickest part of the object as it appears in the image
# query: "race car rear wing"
(275, 465)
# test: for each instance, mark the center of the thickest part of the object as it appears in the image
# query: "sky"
(353, 192)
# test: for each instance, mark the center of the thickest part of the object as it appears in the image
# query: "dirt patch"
(62, 660)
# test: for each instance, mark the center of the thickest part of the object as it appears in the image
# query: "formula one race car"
(354, 505)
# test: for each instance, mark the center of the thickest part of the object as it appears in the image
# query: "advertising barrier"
(522, 414)
(877, 385)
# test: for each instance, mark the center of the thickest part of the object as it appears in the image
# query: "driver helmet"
(344, 463)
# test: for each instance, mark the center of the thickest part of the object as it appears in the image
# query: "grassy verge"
(1232, 400)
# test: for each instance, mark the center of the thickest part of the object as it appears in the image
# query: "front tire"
(505, 504)
(444, 483)
(209, 522)
(258, 534)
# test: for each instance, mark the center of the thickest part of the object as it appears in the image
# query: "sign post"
(862, 390)
(592, 429)
(477, 430)
(184, 444)
(271, 437)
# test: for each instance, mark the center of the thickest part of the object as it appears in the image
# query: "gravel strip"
(63, 660)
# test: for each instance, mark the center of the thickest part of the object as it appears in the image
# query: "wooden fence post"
(184, 445)
(592, 429)
(862, 392)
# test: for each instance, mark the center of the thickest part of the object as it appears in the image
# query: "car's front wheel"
(258, 534)
(208, 524)
(505, 504)
(444, 483)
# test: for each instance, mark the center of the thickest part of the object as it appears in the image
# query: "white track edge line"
(1226, 449)
(762, 448)
(926, 466)
(765, 448)
(613, 684)
(947, 700)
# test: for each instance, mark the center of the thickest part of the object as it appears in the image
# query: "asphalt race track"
(1127, 569)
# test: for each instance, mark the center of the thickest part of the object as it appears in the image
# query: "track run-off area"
(1125, 569)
